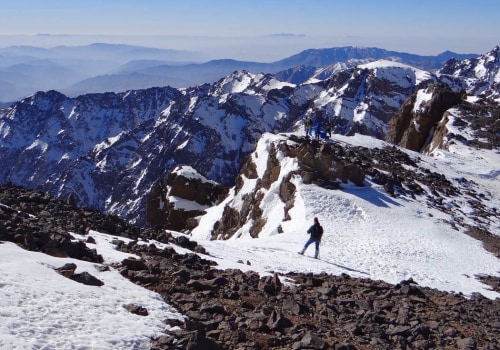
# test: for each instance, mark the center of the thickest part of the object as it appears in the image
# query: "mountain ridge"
(213, 70)
(104, 63)
(110, 149)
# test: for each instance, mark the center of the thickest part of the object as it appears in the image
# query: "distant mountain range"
(108, 150)
(96, 68)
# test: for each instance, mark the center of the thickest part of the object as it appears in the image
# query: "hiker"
(317, 127)
(308, 126)
(315, 232)
(328, 129)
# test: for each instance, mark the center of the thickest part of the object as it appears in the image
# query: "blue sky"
(424, 26)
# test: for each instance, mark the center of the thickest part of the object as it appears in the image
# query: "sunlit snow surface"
(372, 235)
(41, 309)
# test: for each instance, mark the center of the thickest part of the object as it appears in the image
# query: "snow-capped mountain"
(110, 150)
(328, 56)
(99, 68)
(478, 76)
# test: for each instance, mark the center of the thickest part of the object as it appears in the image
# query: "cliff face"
(180, 197)
(414, 125)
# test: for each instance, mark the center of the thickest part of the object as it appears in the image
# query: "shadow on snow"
(370, 194)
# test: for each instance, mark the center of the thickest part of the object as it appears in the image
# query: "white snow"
(368, 234)
(276, 84)
(237, 82)
(39, 144)
(180, 203)
(190, 173)
(386, 69)
(41, 309)
(422, 96)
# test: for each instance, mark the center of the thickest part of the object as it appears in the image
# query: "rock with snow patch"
(180, 198)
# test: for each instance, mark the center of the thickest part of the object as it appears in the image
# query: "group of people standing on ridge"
(320, 130)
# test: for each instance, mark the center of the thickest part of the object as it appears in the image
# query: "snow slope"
(41, 309)
(368, 233)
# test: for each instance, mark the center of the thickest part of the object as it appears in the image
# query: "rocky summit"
(231, 309)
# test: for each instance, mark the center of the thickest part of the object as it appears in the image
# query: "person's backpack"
(317, 232)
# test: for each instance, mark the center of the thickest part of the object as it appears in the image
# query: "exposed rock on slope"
(315, 162)
(413, 126)
(182, 196)
(480, 121)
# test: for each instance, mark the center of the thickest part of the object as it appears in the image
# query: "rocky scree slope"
(230, 309)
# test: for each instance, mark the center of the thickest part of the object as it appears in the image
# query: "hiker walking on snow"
(315, 232)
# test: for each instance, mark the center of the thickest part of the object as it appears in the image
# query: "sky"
(367, 235)
(258, 30)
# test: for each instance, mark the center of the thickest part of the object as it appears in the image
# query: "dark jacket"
(316, 231)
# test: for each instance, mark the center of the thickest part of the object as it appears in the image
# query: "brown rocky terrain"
(231, 309)
(161, 213)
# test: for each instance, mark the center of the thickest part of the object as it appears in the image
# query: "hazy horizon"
(262, 49)
(259, 30)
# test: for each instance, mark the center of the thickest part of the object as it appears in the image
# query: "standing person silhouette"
(308, 126)
(317, 128)
(315, 232)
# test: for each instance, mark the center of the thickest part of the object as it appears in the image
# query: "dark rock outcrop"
(38, 222)
(161, 212)
(413, 126)
(68, 271)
